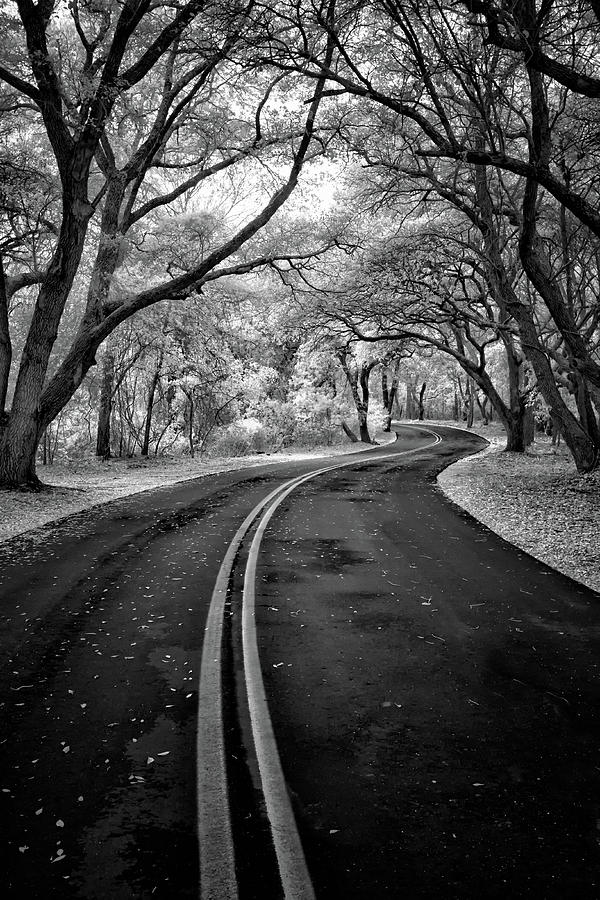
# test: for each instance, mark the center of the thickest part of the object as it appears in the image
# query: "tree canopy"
(154, 156)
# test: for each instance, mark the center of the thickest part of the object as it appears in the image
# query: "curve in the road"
(217, 857)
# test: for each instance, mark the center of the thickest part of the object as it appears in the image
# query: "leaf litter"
(532, 500)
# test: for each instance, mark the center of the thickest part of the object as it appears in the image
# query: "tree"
(123, 55)
(358, 374)
(439, 92)
(389, 393)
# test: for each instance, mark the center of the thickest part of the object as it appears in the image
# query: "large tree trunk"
(515, 438)
(18, 449)
(23, 430)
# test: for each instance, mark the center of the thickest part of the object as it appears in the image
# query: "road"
(433, 693)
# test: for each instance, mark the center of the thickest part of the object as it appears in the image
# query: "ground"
(433, 689)
(535, 500)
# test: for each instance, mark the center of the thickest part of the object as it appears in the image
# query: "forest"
(233, 227)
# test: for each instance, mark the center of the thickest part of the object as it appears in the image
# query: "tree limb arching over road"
(432, 692)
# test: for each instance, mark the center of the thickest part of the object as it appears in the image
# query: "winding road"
(320, 679)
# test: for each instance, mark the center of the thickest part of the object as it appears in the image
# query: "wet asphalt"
(101, 629)
(434, 692)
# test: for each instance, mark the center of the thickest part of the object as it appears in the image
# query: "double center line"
(218, 879)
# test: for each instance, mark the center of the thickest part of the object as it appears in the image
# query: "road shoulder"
(535, 501)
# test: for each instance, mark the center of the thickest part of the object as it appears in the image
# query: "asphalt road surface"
(433, 693)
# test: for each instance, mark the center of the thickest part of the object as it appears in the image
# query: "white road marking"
(217, 859)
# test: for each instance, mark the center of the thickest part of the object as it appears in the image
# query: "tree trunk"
(387, 412)
(469, 402)
(528, 427)
(105, 406)
(5, 344)
(150, 409)
(363, 430)
(363, 405)
(349, 433)
(18, 450)
(356, 378)
(483, 409)
(23, 428)
(389, 395)
(585, 453)
(583, 401)
(556, 433)
(515, 437)
(411, 399)
(421, 402)
(191, 425)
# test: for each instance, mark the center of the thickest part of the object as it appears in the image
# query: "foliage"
(456, 269)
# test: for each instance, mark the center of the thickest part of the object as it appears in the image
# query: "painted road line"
(295, 878)
(217, 858)
(218, 879)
